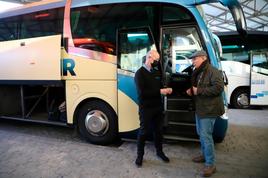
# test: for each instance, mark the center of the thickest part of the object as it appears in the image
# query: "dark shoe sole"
(209, 175)
(138, 162)
(199, 161)
(164, 160)
(138, 165)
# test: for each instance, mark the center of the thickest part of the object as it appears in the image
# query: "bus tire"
(240, 98)
(97, 123)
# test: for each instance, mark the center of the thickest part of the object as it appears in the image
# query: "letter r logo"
(68, 65)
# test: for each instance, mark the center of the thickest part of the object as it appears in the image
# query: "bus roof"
(33, 7)
(43, 5)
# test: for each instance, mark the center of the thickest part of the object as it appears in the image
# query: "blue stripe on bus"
(127, 86)
(260, 94)
(207, 38)
(265, 92)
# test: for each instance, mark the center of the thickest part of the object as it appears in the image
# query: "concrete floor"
(40, 151)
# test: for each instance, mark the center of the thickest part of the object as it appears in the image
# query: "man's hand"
(165, 91)
(191, 91)
(194, 90)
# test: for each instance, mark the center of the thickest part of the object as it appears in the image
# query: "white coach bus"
(245, 62)
(72, 63)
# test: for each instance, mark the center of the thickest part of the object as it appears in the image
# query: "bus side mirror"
(238, 15)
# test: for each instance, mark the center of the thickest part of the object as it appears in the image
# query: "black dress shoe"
(138, 161)
(163, 157)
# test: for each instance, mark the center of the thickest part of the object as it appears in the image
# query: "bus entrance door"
(259, 78)
(178, 44)
(132, 48)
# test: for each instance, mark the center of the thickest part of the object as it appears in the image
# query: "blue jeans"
(204, 128)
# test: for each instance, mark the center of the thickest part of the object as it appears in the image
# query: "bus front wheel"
(97, 123)
(240, 98)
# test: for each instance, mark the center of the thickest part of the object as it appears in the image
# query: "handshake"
(192, 91)
(165, 91)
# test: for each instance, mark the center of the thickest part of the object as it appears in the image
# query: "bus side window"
(260, 63)
(133, 48)
(42, 23)
(9, 28)
(96, 34)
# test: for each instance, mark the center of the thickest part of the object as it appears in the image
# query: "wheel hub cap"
(242, 100)
(96, 123)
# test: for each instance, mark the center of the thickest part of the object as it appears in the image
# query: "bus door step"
(181, 129)
(181, 103)
(179, 138)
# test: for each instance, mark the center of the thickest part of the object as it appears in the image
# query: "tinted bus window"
(236, 48)
(260, 63)
(133, 48)
(173, 14)
(9, 28)
(239, 56)
(98, 24)
(43, 23)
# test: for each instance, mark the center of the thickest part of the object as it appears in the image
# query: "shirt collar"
(146, 67)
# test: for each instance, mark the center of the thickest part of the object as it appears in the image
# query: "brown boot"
(199, 159)
(208, 171)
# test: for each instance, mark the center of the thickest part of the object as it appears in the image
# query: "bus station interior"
(50, 144)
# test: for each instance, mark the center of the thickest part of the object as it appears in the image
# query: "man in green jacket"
(207, 87)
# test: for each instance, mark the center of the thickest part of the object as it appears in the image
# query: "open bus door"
(259, 78)
(133, 45)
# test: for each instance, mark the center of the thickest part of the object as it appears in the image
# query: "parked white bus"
(73, 63)
(245, 62)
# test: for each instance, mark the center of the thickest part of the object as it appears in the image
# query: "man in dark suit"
(149, 88)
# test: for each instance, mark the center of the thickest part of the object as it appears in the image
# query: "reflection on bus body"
(93, 44)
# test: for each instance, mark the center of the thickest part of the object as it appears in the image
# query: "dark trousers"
(150, 117)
